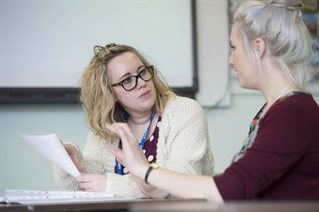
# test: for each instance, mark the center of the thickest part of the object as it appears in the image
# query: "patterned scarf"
(254, 126)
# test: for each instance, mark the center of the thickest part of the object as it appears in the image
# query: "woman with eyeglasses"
(279, 160)
(120, 85)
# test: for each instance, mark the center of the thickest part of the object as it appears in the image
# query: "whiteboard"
(48, 43)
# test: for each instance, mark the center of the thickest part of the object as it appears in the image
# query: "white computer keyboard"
(35, 196)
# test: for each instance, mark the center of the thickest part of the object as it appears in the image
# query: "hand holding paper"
(52, 148)
(74, 155)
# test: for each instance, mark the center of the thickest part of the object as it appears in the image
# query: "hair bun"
(110, 45)
(100, 51)
(289, 4)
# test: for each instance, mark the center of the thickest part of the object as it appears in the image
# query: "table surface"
(160, 205)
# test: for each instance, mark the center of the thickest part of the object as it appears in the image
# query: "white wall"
(212, 49)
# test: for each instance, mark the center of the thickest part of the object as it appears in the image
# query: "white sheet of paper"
(52, 148)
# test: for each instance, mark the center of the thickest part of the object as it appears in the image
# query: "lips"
(146, 93)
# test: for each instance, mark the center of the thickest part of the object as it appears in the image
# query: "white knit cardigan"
(183, 146)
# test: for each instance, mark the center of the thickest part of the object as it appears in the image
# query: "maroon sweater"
(283, 162)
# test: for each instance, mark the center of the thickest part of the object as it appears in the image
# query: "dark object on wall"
(39, 95)
(56, 95)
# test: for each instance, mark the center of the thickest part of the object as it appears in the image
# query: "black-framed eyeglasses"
(129, 83)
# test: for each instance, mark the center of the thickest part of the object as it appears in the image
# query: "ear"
(260, 46)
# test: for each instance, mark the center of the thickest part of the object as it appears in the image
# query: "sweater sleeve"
(184, 140)
(277, 148)
(98, 160)
(91, 161)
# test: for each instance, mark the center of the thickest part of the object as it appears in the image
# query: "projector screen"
(49, 43)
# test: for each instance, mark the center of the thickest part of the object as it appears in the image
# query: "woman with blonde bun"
(271, 49)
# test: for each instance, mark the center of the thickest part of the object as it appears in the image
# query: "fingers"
(118, 153)
(92, 182)
(123, 131)
(131, 155)
(117, 129)
(77, 164)
(71, 150)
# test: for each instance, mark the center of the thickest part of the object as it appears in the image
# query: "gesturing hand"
(92, 182)
(131, 155)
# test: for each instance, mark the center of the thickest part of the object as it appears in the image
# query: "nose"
(140, 83)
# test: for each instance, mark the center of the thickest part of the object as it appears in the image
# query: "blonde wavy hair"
(97, 97)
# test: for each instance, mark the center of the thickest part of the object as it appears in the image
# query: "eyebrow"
(129, 74)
